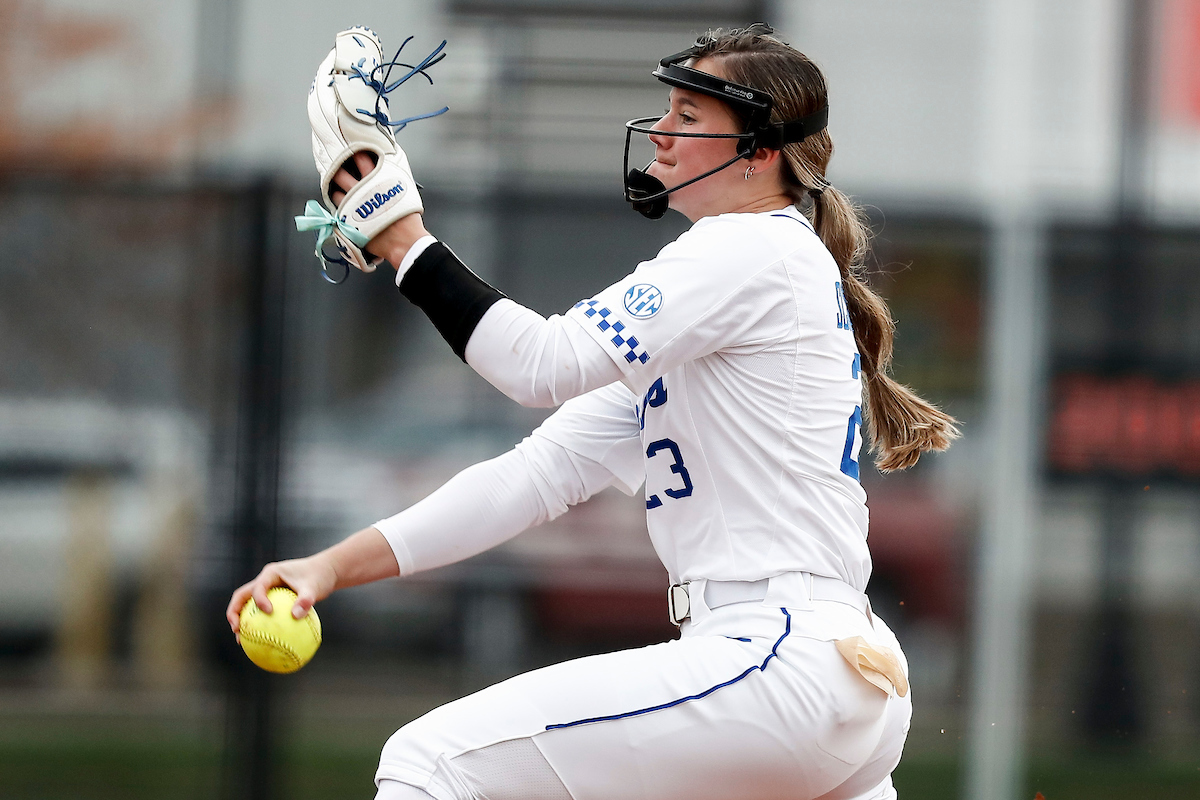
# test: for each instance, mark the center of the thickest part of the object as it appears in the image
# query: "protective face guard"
(648, 194)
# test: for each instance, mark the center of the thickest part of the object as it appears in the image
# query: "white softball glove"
(348, 111)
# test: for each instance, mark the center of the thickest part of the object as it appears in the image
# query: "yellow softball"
(278, 642)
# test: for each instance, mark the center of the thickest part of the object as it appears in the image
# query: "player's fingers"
(234, 610)
(265, 580)
(304, 602)
(344, 179)
(260, 599)
(364, 162)
(237, 602)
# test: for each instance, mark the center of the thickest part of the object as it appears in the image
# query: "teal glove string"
(316, 218)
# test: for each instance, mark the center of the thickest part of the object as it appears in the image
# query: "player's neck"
(773, 202)
(752, 205)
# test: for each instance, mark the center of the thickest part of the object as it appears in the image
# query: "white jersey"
(743, 376)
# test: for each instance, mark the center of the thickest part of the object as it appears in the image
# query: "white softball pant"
(753, 702)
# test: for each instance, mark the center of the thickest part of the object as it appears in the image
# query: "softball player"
(726, 375)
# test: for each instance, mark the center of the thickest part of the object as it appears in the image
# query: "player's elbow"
(531, 397)
(525, 393)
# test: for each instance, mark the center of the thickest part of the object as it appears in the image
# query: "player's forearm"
(479, 508)
(361, 558)
(491, 502)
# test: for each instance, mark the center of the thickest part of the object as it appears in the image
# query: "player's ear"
(764, 158)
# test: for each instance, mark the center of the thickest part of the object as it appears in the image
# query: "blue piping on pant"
(761, 667)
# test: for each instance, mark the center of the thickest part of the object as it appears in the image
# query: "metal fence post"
(250, 744)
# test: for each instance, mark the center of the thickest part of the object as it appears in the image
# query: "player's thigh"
(696, 718)
(872, 780)
(529, 704)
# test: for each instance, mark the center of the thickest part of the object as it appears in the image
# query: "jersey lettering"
(843, 316)
(656, 396)
(643, 300)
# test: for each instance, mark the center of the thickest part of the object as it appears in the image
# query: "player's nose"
(658, 139)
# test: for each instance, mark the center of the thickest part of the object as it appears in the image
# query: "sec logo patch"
(643, 300)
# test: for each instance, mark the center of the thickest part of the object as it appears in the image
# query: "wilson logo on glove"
(373, 204)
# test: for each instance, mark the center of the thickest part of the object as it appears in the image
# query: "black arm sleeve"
(453, 297)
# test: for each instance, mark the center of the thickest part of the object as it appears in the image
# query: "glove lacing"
(383, 88)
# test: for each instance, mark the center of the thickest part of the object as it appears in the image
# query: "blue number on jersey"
(655, 397)
(677, 467)
(853, 427)
(849, 465)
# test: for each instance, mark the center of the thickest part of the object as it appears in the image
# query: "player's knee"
(406, 759)
(409, 756)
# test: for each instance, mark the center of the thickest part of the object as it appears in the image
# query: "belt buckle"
(679, 604)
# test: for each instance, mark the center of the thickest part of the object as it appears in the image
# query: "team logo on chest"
(643, 301)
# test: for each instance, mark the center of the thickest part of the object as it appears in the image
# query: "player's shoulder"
(784, 232)
(753, 240)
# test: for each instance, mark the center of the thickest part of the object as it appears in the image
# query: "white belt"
(724, 593)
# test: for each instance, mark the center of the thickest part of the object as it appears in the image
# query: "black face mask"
(648, 194)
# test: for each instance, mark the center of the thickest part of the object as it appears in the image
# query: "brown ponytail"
(899, 424)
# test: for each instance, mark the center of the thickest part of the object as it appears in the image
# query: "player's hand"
(312, 579)
(394, 240)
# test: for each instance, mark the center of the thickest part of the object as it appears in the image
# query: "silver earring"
(749, 172)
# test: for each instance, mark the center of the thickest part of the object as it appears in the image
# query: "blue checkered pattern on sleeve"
(606, 321)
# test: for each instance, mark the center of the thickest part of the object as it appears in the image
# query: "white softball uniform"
(723, 375)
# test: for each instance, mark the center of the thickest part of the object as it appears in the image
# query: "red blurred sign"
(1133, 425)
(1181, 60)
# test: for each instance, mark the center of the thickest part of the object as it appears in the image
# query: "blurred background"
(183, 397)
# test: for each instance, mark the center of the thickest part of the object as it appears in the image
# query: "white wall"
(906, 93)
(115, 82)
(279, 47)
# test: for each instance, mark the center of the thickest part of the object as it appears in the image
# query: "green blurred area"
(1081, 778)
(91, 759)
